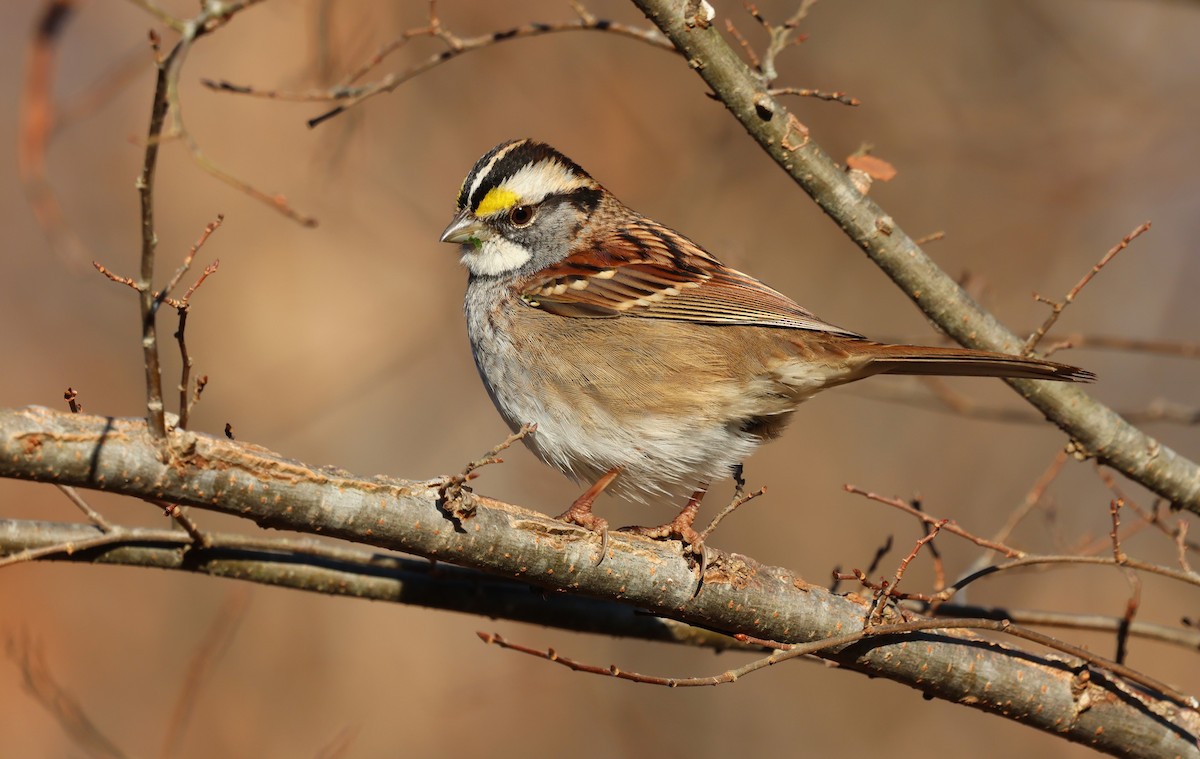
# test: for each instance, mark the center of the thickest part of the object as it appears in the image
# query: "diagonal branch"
(1098, 430)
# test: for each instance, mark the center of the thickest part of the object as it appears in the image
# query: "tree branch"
(738, 595)
(1098, 430)
(316, 567)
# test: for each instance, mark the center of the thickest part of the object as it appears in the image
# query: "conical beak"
(463, 228)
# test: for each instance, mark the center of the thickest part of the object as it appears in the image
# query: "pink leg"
(581, 514)
(679, 528)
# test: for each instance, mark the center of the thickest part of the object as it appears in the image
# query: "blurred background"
(1035, 134)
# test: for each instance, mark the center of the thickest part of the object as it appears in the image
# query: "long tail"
(918, 359)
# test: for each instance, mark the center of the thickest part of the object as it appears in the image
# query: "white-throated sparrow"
(649, 367)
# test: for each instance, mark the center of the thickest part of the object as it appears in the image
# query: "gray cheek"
(551, 238)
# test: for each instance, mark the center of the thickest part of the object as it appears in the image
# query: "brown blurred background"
(1035, 134)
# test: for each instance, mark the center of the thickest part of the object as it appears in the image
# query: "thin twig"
(1032, 498)
(1114, 511)
(934, 529)
(177, 512)
(450, 489)
(1189, 639)
(885, 590)
(1176, 348)
(833, 97)
(181, 305)
(1190, 578)
(880, 553)
(751, 56)
(277, 201)
(739, 499)
(1056, 307)
(165, 18)
(1181, 545)
(185, 370)
(145, 184)
(948, 525)
(163, 296)
(1131, 608)
(120, 280)
(779, 38)
(166, 102)
(1154, 517)
(349, 96)
(116, 535)
(208, 271)
(1019, 558)
(94, 516)
(805, 649)
(935, 555)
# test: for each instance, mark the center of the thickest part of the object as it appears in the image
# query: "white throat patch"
(495, 255)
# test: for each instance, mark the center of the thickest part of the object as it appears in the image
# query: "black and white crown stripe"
(502, 164)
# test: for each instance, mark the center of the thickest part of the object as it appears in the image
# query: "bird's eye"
(521, 216)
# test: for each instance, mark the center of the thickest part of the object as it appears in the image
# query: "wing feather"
(651, 272)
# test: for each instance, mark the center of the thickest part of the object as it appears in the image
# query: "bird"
(649, 368)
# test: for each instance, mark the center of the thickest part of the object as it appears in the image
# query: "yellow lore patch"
(497, 199)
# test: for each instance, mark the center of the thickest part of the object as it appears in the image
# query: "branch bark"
(1096, 429)
(1054, 693)
(343, 571)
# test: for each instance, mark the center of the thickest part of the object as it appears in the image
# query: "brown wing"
(651, 272)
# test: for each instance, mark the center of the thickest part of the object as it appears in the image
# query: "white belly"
(660, 453)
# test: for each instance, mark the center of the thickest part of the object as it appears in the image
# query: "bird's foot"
(580, 512)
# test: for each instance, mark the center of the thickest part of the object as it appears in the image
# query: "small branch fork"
(213, 16)
(874, 621)
(1016, 557)
(1057, 307)
(1155, 517)
(165, 101)
(779, 39)
(450, 490)
(348, 95)
(740, 498)
(885, 590)
(1119, 558)
(150, 304)
(948, 525)
(787, 652)
(109, 534)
